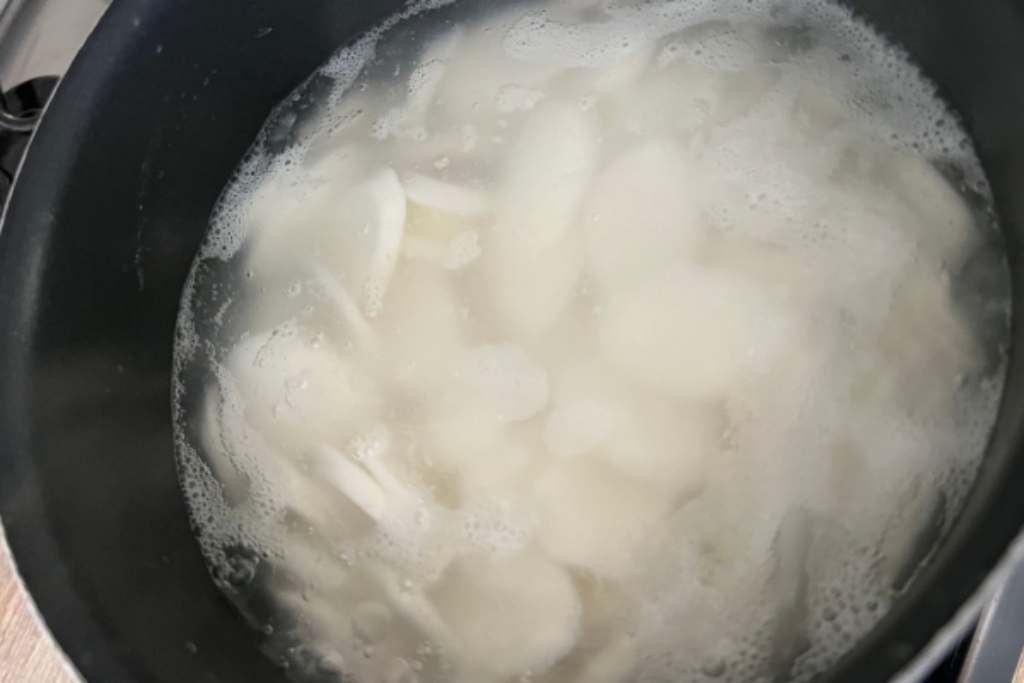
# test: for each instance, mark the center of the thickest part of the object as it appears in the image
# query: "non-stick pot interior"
(111, 204)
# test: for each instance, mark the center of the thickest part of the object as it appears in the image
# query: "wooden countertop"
(26, 654)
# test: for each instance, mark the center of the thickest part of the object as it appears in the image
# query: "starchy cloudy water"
(590, 342)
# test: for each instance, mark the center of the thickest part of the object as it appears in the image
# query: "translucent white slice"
(666, 444)
(217, 454)
(514, 616)
(649, 437)
(539, 38)
(414, 604)
(532, 288)
(924, 321)
(743, 91)
(283, 217)
(344, 306)
(351, 480)
(296, 393)
(581, 426)
(325, 625)
(905, 531)
(506, 379)
(761, 192)
(772, 266)
(779, 386)
(435, 225)
(312, 565)
(592, 515)
(448, 197)
(612, 664)
(370, 484)
(942, 222)
(343, 628)
(424, 250)
(423, 83)
(477, 71)
(818, 111)
(335, 517)
(778, 188)
(462, 429)
(926, 344)
(582, 377)
(419, 328)
(513, 98)
(789, 582)
(275, 209)
(426, 78)
(334, 171)
(657, 105)
(690, 332)
(866, 251)
(641, 216)
(548, 172)
(792, 543)
(615, 78)
(507, 469)
(536, 265)
(715, 46)
(256, 478)
(371, 620)
(353, 223)
(365, 234)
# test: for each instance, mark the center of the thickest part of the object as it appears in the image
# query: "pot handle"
(20, 110)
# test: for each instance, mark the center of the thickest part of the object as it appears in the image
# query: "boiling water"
(590, 342)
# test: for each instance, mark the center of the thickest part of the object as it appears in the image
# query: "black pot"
(105, 218)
